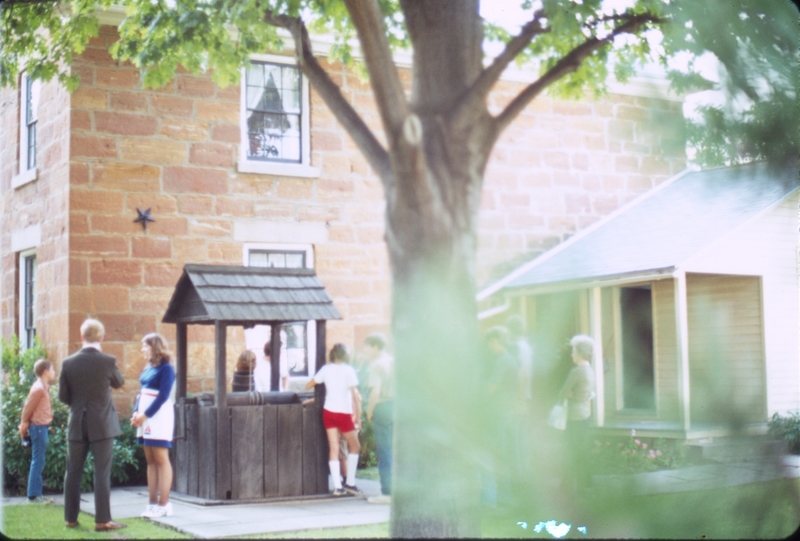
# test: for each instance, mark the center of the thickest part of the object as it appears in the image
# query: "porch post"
(682, 347)
(596, 331)
(223, 443)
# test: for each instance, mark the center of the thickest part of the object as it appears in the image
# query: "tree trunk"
(432, 211)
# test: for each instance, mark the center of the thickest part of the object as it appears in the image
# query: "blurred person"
(521, 349)
(262, 373)
(380, 408)
(37, 414)
(154, 419)
(340, 415)
(502, 386)
(85, 384)
(243, 378)
(578, 391)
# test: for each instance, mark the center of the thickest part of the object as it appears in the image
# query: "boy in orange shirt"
(37, 414)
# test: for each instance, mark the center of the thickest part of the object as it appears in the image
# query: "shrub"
(18, 377)
(367, 458)
(633, 455)
(786, 429)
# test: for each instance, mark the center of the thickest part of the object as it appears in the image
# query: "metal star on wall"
(143, 218)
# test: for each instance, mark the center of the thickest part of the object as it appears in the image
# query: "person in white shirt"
(340, 414)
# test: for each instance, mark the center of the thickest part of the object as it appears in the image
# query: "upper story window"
(27, 298)
(31, 116)
(274, 119)
(28, 119)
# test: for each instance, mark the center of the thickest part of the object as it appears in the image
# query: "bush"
(633, 455)
(367, 458)
(128, 463)
(786, 429)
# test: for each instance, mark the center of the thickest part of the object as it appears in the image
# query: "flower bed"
(634, 454)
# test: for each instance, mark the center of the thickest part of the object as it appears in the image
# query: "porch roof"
(208, 293)
(657, 232)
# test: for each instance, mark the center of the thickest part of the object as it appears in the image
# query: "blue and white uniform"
(154, 401)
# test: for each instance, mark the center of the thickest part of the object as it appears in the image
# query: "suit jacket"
(85, 386)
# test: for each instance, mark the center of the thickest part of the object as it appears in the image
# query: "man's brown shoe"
(72, 524)
(106, 526)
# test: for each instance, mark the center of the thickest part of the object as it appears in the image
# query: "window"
(27, 298)
(298, 338)
(28, 118)
(275, 119)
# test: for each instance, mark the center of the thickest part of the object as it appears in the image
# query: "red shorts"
(342, 421)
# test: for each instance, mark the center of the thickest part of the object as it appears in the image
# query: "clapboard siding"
(666, 352)
(726, 359)
(767, 246)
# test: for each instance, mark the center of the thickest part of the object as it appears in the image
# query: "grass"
(47, 522)
(369, 531)
(757, 511)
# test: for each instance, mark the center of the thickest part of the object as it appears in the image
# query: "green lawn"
(761, 511)
(47, 522)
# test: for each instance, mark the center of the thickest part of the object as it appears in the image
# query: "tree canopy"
(754, 42)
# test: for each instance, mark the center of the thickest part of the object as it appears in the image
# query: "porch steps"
(735, 449)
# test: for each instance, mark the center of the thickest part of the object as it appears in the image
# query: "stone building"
(261, 173)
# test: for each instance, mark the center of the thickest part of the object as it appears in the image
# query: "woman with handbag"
(578, 392)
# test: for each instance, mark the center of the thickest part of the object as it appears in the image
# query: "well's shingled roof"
(207, 293)
(665, 227)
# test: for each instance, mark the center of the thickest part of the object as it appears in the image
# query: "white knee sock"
(352, 464)
(335, 473)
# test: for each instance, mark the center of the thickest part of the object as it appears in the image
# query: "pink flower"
(637, 442)
(651, 454)
(644, 446)
(658, 453)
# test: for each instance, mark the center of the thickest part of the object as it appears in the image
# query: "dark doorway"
(638, 381)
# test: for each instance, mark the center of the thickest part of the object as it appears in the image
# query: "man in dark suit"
(85, 386)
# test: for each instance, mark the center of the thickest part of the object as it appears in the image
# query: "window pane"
(277, 260)
(29, 307)
(257, 259)
(295, 260)
(296, 348)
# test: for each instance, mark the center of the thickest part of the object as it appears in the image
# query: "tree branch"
(376, 155)
(489, 76)
(567, 64)
(367, 18)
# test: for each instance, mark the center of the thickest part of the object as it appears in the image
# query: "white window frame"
(26, 174)
(302, 169)
(311, 326)
(23, 278)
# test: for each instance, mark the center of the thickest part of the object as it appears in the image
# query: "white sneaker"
(155, 511)
(383, 498)
(148, 510)
(168, 509)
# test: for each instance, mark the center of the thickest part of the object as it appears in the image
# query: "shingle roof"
(665, 227)
(206, 293)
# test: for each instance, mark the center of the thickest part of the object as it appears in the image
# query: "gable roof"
(663, 228)
(208, 293)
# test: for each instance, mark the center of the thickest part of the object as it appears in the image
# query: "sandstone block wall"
(558, 168)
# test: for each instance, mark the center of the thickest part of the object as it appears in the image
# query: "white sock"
(335, 473)
(352, 464)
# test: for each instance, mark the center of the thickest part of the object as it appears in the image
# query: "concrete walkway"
(204, 520)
